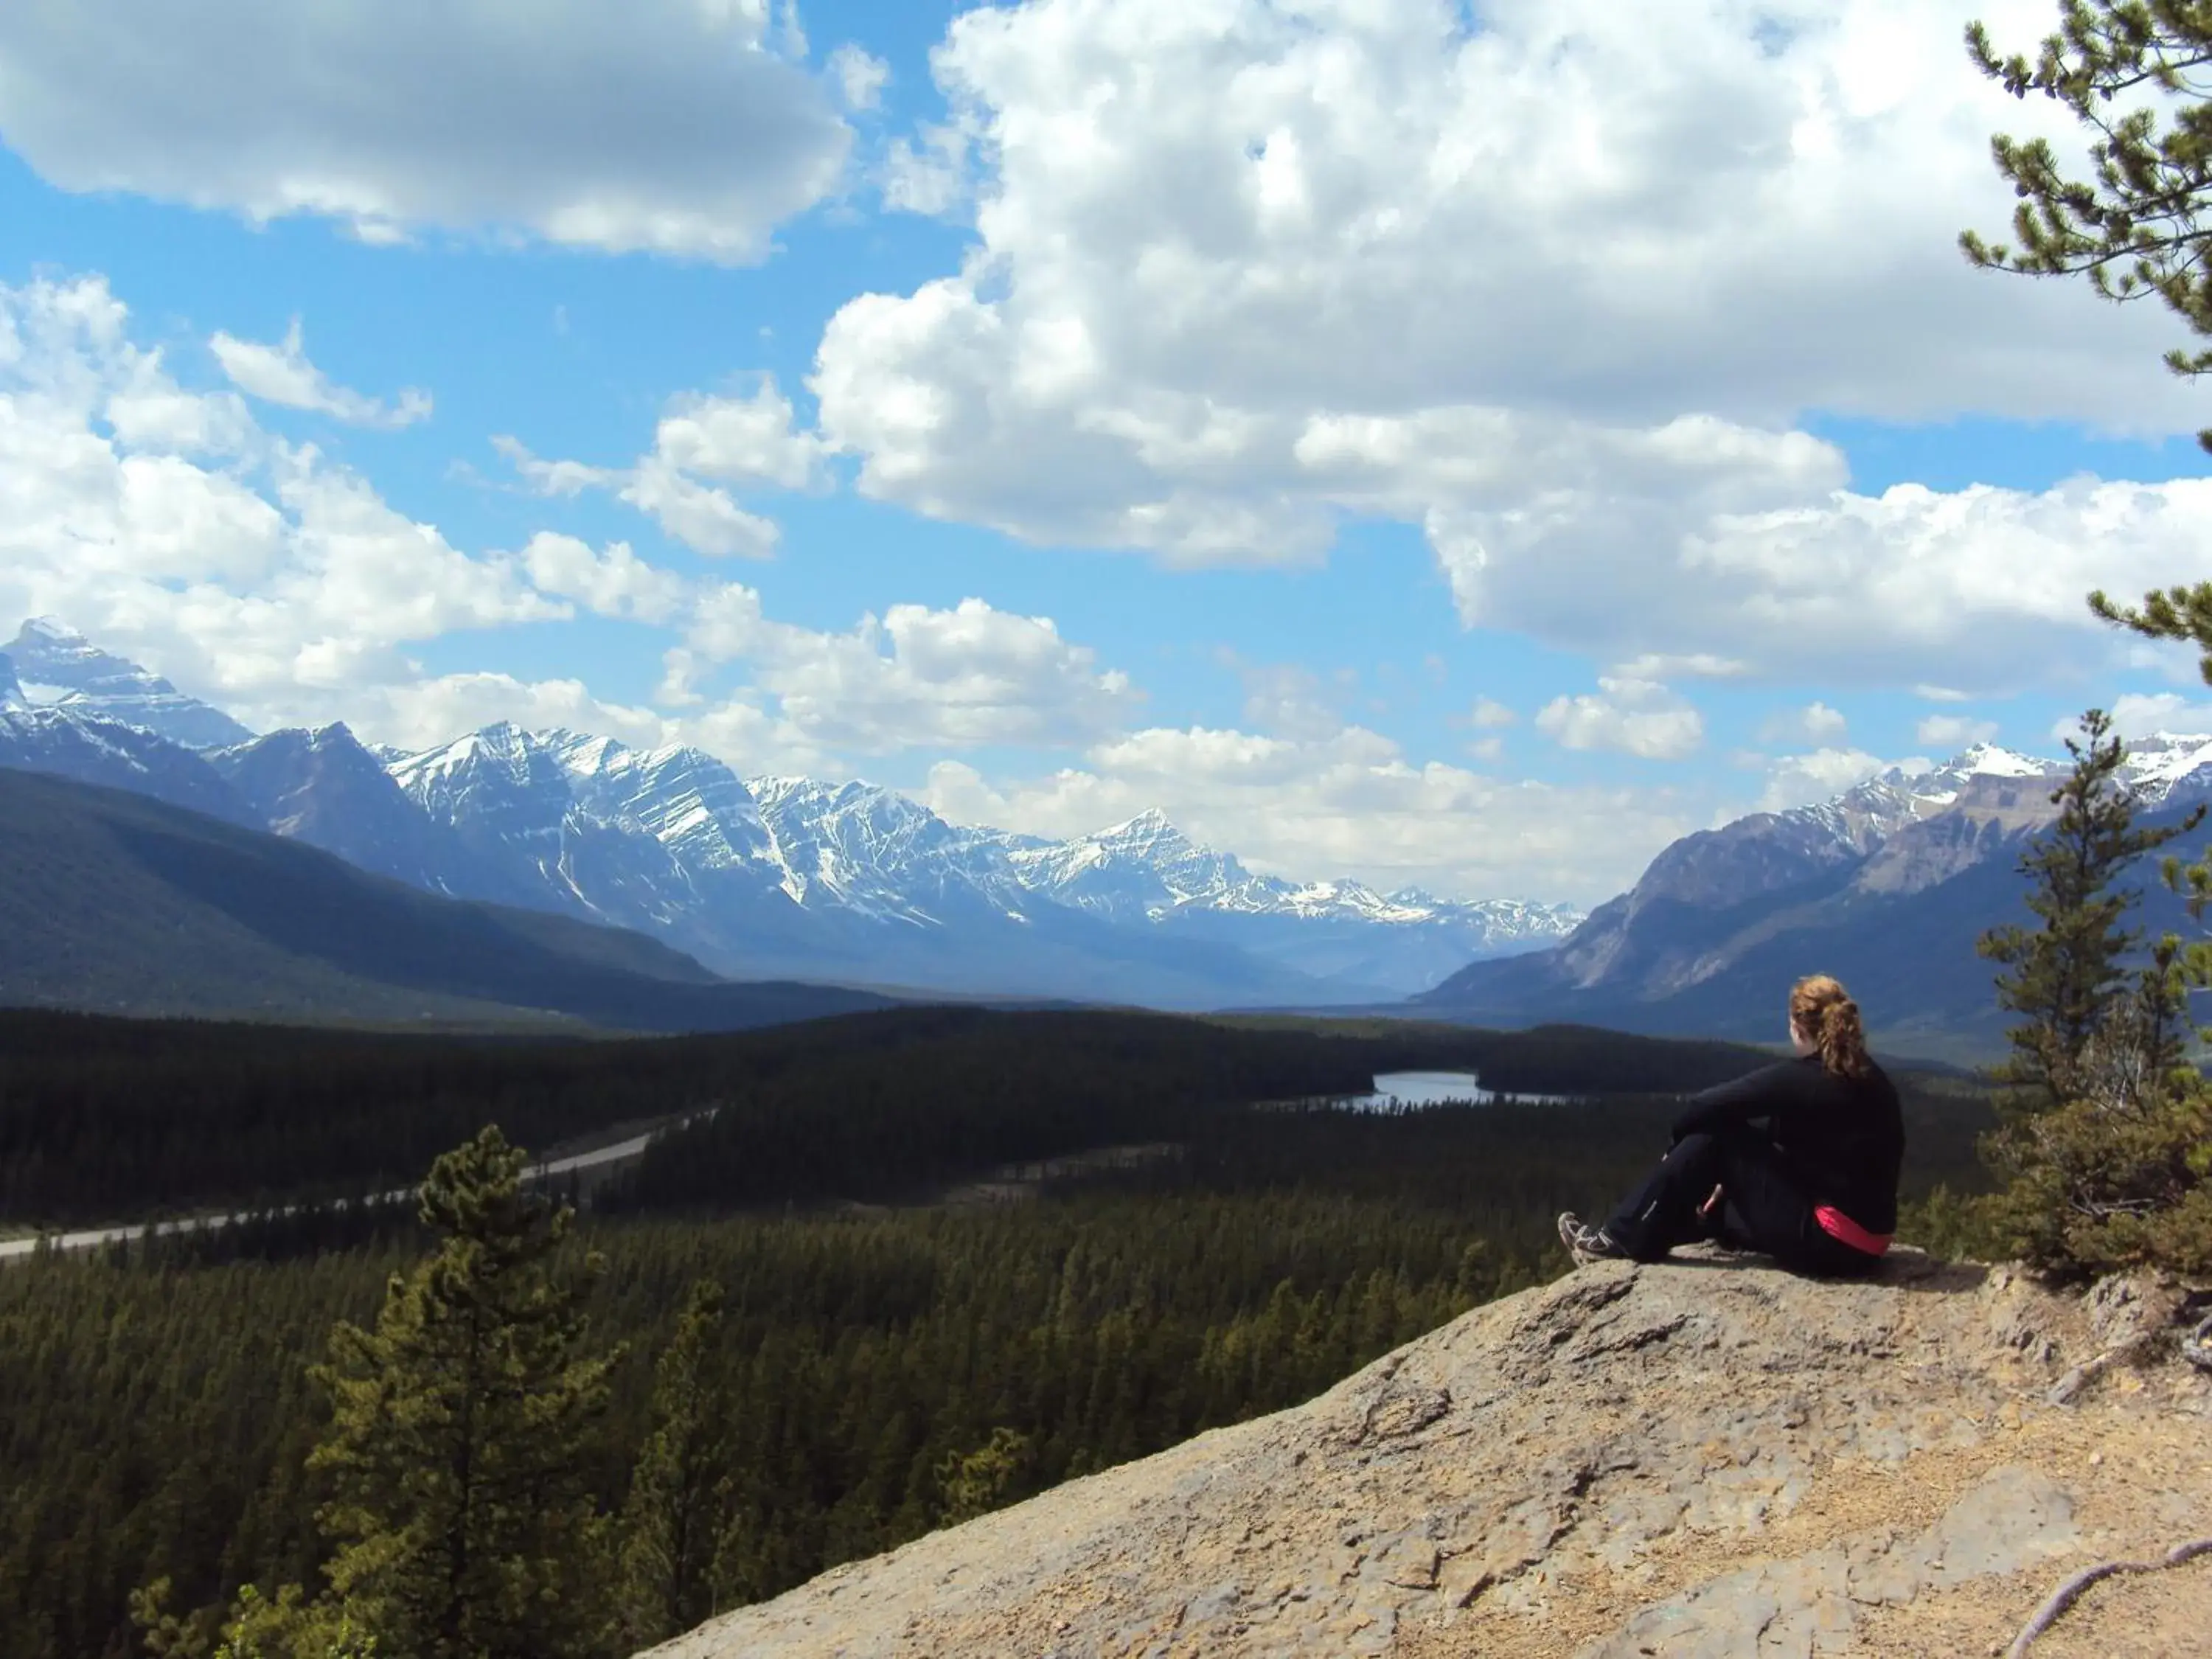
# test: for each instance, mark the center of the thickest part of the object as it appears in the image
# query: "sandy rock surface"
(1703, 1458)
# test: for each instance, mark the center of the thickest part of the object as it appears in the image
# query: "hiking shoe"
(1587, 1243)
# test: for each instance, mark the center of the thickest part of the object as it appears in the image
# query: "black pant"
(1763, 1207)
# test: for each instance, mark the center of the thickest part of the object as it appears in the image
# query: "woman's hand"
(1712, 1203)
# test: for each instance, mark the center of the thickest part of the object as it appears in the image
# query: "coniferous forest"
(795, 1333)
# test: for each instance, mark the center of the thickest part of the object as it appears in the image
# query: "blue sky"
(1461, 454)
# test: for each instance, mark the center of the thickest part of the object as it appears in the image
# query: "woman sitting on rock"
(1816, 1188)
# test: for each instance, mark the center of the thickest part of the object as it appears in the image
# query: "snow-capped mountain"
(1143, 870)
(761, 877)
(853, 882)
(90, 749)
(2162, 766)
(56, 666)
(542, 819)
(1147, 871)
(325, 788)
(791, 875)
(1891, 881)
(1941, 784)
(500, 784)
(689, 801)
(871, 851)
(2171, 768)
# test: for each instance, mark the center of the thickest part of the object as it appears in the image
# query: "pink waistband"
(1840, 1226)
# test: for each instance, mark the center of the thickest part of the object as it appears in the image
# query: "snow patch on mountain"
(500, 778)
(1147, 869)
(1143, 869)
(56, 666)
(685, 799)
(2171, 766)
(88, 748)
(865, 848)
(1937, 786)
(2158, 765)
(1840, 880)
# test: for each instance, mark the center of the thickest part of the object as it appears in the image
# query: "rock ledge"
(1707, 1457)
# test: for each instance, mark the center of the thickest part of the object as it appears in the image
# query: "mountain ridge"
(1887, 885)
(790, 877)
(112, 901)
(766, 876)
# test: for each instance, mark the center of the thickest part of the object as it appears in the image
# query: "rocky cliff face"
(1703, 1458)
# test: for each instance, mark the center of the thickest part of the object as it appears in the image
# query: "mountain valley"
(1888, 884)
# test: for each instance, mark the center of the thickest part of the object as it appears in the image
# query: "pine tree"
(679, 1493)
(2142, 224)
(2065, 976)
(981, 1480)
(464, 1527)
(291, 1627)
(2102, 1148)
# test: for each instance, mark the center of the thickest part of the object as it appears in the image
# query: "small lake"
(1400, 1089)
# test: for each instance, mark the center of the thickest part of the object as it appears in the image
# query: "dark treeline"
(103, 1119)
(963, 1093)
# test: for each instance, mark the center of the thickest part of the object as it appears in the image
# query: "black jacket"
(1842, 1137)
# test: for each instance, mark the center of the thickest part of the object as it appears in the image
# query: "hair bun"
(1822, 1009)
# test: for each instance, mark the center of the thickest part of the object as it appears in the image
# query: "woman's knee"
(1695, 1149)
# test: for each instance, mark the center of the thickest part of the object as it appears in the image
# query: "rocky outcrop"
(1703, 1458)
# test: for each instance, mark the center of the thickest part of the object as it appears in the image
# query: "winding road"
(93, 1238)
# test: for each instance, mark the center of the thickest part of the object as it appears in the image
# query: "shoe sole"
(1569, 1226)
(1581, 1257)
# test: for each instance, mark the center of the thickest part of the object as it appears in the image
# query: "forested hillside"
(118, 902)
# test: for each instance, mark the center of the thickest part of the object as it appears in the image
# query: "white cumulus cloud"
(1951, 732)
(261, 574)
(612, 581)
(752, 440)
(702, 516)
(915, 677)
(1819, 774)
(1557, 289)
(860, 76)
(281, 373)
(423, 713)
(1353, 803)
(2139, 714)
(668, 126)
(1287, 700)
(1634, 717)
(1814, 723)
